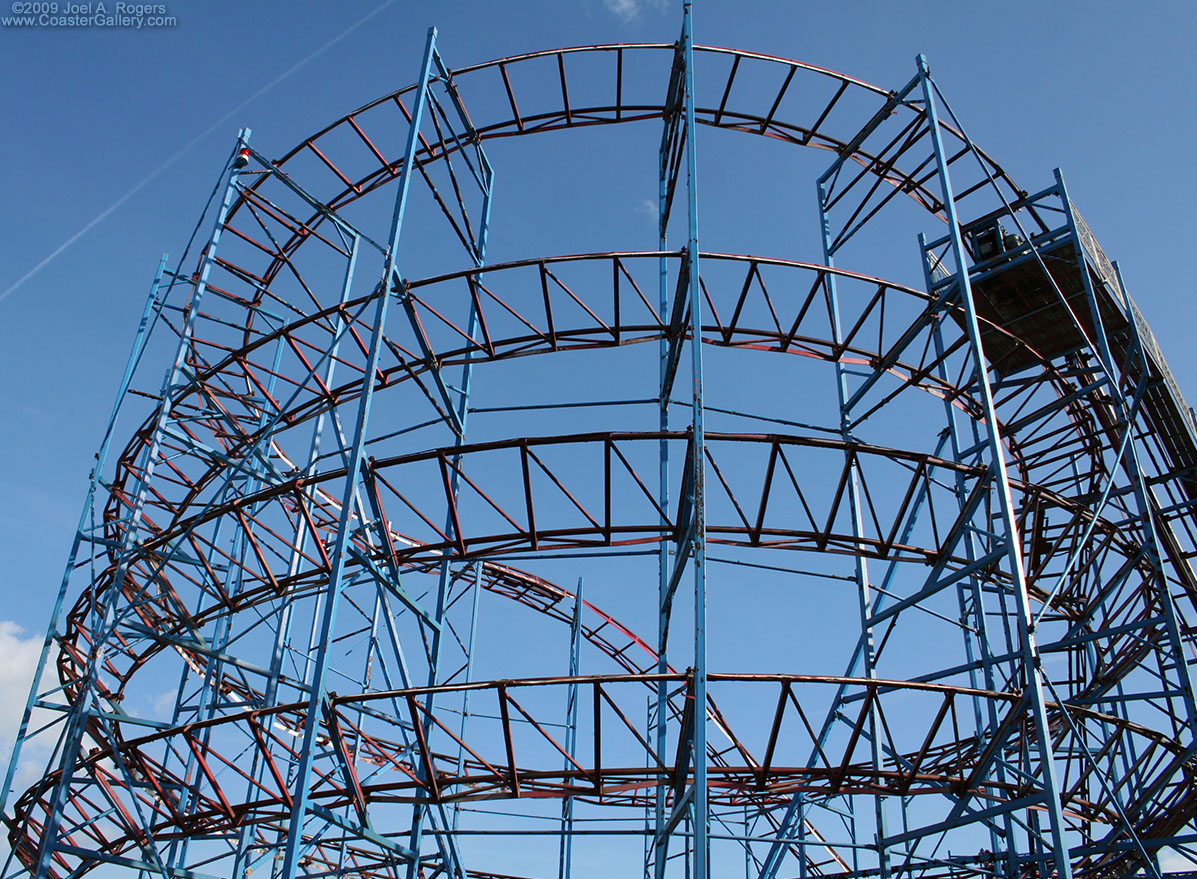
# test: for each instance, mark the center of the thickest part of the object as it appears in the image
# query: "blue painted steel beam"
(471, 641)
(338, 552)
(1031, 660)
(863, 586)
(831, 175)
(447, 409)
(565, 855)
(104, 857)
(971, 597)
(484, 177)
(282, 634)
(691, 551)
(702, 849)
(669, 355)
(342, 225)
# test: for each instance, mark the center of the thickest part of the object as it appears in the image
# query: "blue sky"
(1101, 89)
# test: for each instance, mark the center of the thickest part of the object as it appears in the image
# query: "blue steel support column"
(1143, 498)
(659, 845)
(206, 697)
(338, 553)
(571, 735)
(76, 724)
(864, 599)
(471, 640)
(670, 343)
(697, 477)
(478, 253)
(148, 315)
(1031, 660)
(283, 634)
(691, 525)
(246, 838)
(971, 597)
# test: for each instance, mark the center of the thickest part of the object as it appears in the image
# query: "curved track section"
(937, 755)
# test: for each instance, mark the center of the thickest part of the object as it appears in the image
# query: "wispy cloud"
(16, 674)
(37, 415)
(163, 704)
(648, 207)
(629, 11)
(20, 651)
(179, 153)
(1172, 861)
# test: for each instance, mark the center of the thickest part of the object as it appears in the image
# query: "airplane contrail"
(144, 181)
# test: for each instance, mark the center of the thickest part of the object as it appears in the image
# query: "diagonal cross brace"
(450, 408)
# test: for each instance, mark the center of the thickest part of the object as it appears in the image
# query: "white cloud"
(649, 208)
(39, 416)
(18, 660)
(162, 705)
(631, 10)
(1172, 861)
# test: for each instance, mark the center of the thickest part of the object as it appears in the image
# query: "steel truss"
(301, 538)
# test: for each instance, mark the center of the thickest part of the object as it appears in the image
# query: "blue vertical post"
(658, 846)
(471, 640)
(270, 692)
(1028, 648)
(970, 595)
(571, 735)
(747, 845)
(282, 635)
(863, 587)
(478, 253)
(76, 724)
(691, 523)
(697, 477)
(650, 807)
(803, 860)
(338, 552)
